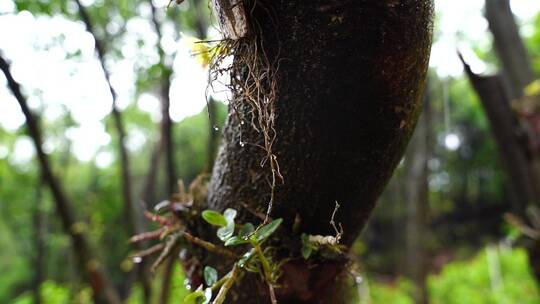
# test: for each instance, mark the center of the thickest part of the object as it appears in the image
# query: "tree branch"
(131, 212)
(166, 135)
(87, 262)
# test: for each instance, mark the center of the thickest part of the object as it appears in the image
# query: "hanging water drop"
(216, 128)
(137, 260)
(242, 144)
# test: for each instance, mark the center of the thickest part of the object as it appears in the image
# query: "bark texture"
(350, 81)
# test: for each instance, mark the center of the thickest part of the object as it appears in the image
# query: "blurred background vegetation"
(465, 251)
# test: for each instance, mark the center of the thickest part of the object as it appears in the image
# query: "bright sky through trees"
(37, 47)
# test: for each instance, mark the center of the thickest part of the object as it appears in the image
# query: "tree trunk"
(39, 235)
(416, 195)
(88, 265)
(524, 181)
(350, 81)
(523, 178)
(515, 61)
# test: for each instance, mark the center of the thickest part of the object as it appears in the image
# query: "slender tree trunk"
(509, 46)
(523, 178)
(88, 265)
(350, 82)
(39, 234)
(416, 194)
(132, 214)
(166, 141)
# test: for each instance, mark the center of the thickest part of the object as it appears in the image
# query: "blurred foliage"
(474, 282)
(471, 282)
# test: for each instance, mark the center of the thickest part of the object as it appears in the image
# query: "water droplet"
(242, 122)
(137, 260)
(358, 279)
(242, 144)
(216, 128)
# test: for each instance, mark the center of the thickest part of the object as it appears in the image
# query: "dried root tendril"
(253, 82)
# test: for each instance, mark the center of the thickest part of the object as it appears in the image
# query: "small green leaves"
(207, 295)
(236, 240)
(225, 221)
(246, 230)
(229, 215)
(307, 246)
(214, 218)
(210, 276)
(246, 257)
(243, 236)
(196, 297)
(225, 233)
(267, 230)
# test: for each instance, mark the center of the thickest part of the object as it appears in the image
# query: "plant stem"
(227, 284)
(209, 246)
(267, 271)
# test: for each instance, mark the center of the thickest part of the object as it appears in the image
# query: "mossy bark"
(350, 82)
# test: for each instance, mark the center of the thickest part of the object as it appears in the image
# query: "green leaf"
(196, 297)
(306, 251)
(265, 231)
(236, 240)
(246, 230)
(210, 275)
(225, 233)
(229, 215)
(214, 218)
(246, 257)
(307, 246)
(207, 295)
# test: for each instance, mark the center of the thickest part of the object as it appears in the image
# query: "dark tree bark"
(515, 61)
(88, 264)
(416, 194)
(350, 83)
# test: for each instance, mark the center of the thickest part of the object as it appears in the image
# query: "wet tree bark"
(350, 83)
